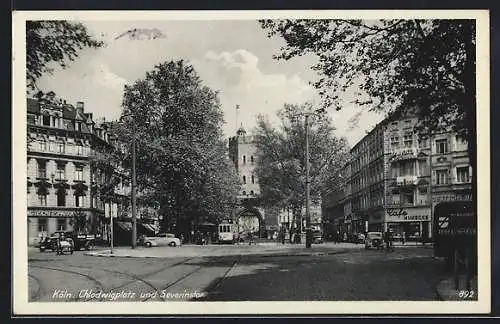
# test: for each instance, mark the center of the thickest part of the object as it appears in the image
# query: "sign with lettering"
(50, 213)
(408, 214)
(404, 154)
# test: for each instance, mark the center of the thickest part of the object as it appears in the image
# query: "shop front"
(410, 223)
(376, 221)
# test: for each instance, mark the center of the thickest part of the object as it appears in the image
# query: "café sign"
(408, 214)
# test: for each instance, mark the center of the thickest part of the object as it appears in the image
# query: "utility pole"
(308, 189)
(134, 198)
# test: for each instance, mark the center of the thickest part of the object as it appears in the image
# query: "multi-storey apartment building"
(394, 172)
(62, 140)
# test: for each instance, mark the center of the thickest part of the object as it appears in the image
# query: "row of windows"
(52, 121)
(245, 179)
(244, 193)
(245, 159)
(60, 171)
(59, 147)
(61, 199)
(43, 224)
(461, 173)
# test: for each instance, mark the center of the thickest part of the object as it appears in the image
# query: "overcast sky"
(234, 57)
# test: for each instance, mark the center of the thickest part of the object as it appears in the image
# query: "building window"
(253, 179)
(407, 197)
(46, 120)
(251, 159)
(79, 148)
(79, 173)
(60, 172)
(244, 159)
(42, 198)
(61, 224)
(394, 142)
(422, 142)
(42, 224)
(463, 174)
(408, 140)
(244, 193)
(441, 177)
(79, 200)
(61, 197)
(244, 179)
(42, 144)
(442, 146)
(78, 126)
(60, 147)
(394, 125)
(31, 120)
(251, 192)
(42, 170)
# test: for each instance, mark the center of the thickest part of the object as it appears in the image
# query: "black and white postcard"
(251, 162)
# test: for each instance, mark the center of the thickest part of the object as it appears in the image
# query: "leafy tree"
(53, 41)
(281, 155)
(181, 159)
(79, 222)
(427, 65)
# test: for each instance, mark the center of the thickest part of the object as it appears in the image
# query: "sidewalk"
(261, 249)
(447, 292)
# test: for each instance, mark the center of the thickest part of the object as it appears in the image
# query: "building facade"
(61, 179)
(396, 175)
(248, 216)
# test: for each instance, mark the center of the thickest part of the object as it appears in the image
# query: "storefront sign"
(408, 215)
(50, 213)
(404, 154)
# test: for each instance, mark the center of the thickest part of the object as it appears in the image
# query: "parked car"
(317, 237)
(374, 240)
(48, 243)
(51, 243)
(162, 239)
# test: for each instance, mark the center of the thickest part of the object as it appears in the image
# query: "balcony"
(406, 181)
(403, 154)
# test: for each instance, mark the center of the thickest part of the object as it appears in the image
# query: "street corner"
(447, 291)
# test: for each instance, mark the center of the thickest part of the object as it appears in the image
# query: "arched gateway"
(250, 220)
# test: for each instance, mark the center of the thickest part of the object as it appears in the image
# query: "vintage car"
(317, 237)
(374, 240)
(66, 243)
(162, 239)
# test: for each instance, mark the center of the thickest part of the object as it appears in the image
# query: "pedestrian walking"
(403, 238)
(388, 240)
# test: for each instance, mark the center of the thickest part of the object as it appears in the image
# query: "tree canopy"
(181, 155)
(53, 41)
(428, 65)
(281, 155)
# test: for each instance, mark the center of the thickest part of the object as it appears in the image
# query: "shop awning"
(151, 227)
(125, 226)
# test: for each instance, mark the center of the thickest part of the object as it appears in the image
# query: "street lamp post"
(134, 198)
(308, 189)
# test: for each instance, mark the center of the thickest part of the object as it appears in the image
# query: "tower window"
(251, 159)
(253, 179)
(244, 159)
(244, 179)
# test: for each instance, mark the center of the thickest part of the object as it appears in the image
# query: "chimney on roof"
(79, 106)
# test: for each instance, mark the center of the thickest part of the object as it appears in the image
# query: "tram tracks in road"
(217, 283)
(99, 286)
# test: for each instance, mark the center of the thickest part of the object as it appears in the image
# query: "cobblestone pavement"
(355, 274)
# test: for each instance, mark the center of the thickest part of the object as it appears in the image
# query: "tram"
(225, 232)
